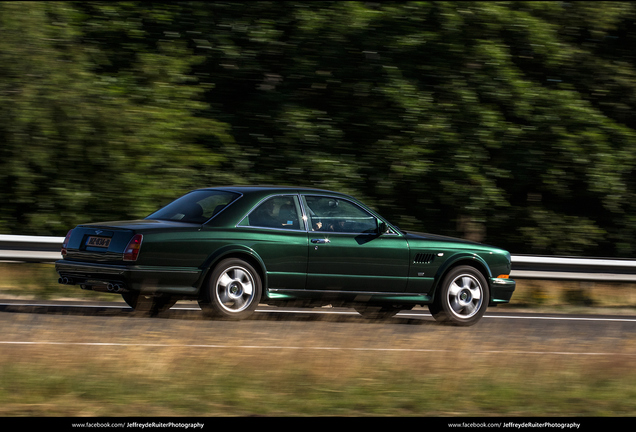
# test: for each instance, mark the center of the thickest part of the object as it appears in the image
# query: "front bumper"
(144, 279)
(501, 290)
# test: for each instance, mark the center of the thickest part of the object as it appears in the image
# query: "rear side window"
(196, 207)
(282, 212)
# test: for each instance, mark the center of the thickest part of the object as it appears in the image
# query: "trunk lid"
(106, 241)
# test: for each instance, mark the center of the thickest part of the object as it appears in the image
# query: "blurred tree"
(82, 141)
(436, 112)
(508, 122)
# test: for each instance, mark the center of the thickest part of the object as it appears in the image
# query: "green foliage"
(515, 116)
(80, 144)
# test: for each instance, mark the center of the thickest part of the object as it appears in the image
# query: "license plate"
(102, 242)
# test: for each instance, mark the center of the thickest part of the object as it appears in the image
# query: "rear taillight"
(66, 240)
(132, 249)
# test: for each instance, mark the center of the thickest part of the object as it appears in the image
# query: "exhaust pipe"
(116, 288)
(65, 281)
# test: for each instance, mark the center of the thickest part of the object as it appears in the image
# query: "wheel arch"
(241, 252)
(471, 260)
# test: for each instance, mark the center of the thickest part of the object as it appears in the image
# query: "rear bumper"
(145, 279)
(501, 290)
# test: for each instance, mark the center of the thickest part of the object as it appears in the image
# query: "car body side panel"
(281, 254)
(357, 262)
(432, 256)
(177, 257)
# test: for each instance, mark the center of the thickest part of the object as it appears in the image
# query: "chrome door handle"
(320, 241)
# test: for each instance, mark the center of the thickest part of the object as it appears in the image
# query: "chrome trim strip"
(164, 270)
(305, 213)
(270, 228)
(303, 210)
(360, 293)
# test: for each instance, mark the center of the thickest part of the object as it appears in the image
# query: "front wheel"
(463, 297)
(233, 290)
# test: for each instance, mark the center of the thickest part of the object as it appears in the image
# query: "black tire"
(380, 312)
(462, 298)
(152, 305)
(131, 298)
(162, 303)
(232, 291)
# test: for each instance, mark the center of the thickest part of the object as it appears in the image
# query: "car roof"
(252, 195)
(268, 189)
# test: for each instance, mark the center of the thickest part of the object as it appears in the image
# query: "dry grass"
(440, 372)
(111, 381)
(465, 372)
(582, 297)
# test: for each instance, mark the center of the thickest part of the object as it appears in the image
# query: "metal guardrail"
(14, 248)
(30, 248)
(573, 268)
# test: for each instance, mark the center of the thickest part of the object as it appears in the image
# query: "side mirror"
(382, 227)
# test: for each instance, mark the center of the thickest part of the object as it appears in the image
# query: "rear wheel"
(233, 290)
(463, 297)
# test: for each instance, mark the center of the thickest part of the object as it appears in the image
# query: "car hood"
(414, 238)
(439, 238)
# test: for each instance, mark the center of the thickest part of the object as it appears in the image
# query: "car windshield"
(195, 207)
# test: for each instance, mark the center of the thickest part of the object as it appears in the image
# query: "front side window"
(337, 215)
(281, 212)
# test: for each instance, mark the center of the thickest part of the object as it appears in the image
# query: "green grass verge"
(79, 381)
(362, 384)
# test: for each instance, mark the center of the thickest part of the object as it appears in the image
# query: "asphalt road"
(336, 329)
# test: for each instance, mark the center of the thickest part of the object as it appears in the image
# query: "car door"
(275, 230)
(346, 250)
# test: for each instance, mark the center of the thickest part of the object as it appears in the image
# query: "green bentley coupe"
(232, 248)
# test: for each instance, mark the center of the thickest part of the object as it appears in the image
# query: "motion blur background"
(505, 122)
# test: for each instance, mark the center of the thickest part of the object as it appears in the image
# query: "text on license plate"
(98, 242)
